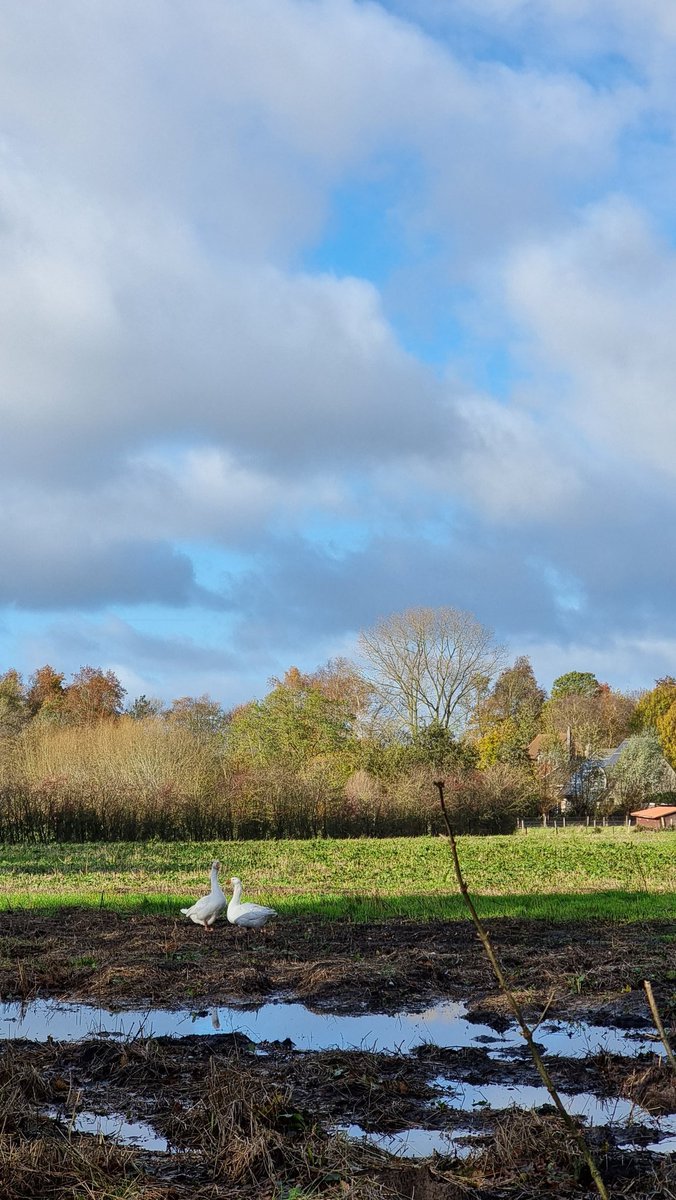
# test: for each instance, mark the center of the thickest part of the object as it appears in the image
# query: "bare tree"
(429, 665)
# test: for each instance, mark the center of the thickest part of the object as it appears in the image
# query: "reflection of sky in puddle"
(415, 1143)
(596, 1110)
(115, 1126)
(42, 1019)
(444, 1025)
(464, 1097)
(578, 1040)
(666, 1146)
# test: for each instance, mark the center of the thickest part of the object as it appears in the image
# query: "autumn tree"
(507, 718)
(575, 683)
(654, 704)
(13, 707)
(46, 693)
(341, 682)
(94, 695)
(293, 726)
(502, 743)
(597, 720)
(429, 664)
(516, 694)
(666, 732)
(200, 715)
(616, 713)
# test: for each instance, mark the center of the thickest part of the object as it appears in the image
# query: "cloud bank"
(312, 311)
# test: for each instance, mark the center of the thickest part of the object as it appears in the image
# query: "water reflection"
(416, 1143)
(115, 1126)
(443, 1025)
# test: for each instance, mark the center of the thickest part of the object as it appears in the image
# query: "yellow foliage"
(666, 732)
(491, 746)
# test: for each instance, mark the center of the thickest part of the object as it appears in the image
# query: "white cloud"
(599, 305)
(113, 345)
(510, 470)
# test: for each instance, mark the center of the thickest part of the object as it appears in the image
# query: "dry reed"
(130, 780)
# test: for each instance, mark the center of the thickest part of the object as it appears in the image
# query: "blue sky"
(317, 310)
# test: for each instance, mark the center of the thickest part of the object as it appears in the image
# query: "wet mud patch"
(393, 1043)
(248, 1120)
(418, 1094)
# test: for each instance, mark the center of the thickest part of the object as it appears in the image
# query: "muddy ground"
(383, 966)
(264, 1121)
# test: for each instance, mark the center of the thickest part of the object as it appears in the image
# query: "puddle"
(596, 1110)
(443, 1025)
(468, 1097)
(666, 1146)
(621, 1114)
(115, 1126)
(44, 1019)
(578, 1040)
(416, 1143)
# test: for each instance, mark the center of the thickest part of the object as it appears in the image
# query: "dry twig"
(526, 1032)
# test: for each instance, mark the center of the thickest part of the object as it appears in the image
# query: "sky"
(313, 311)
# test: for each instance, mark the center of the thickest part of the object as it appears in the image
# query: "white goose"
(205, 910)
(248, 916)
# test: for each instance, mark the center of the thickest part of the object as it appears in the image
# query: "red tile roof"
(657, 810)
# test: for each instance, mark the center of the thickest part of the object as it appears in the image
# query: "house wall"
(668, 822)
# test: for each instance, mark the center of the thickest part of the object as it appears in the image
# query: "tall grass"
(131, 780)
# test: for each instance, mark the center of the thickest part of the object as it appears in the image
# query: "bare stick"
(516, 1008)
(658, 1021)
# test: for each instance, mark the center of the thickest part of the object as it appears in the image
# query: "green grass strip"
(575, 874)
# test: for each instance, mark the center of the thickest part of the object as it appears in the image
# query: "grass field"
(570, 874)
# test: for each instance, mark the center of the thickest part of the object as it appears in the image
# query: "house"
(593, 776)
(656, 816)
(590, 779)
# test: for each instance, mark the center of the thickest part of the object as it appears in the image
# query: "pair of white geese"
(205, 910)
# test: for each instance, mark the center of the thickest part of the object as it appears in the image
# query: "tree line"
(349, 749)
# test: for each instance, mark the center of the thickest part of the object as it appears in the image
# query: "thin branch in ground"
(525, 1029)
(658, 1022)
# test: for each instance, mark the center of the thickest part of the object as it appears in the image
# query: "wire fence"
(561, 821)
